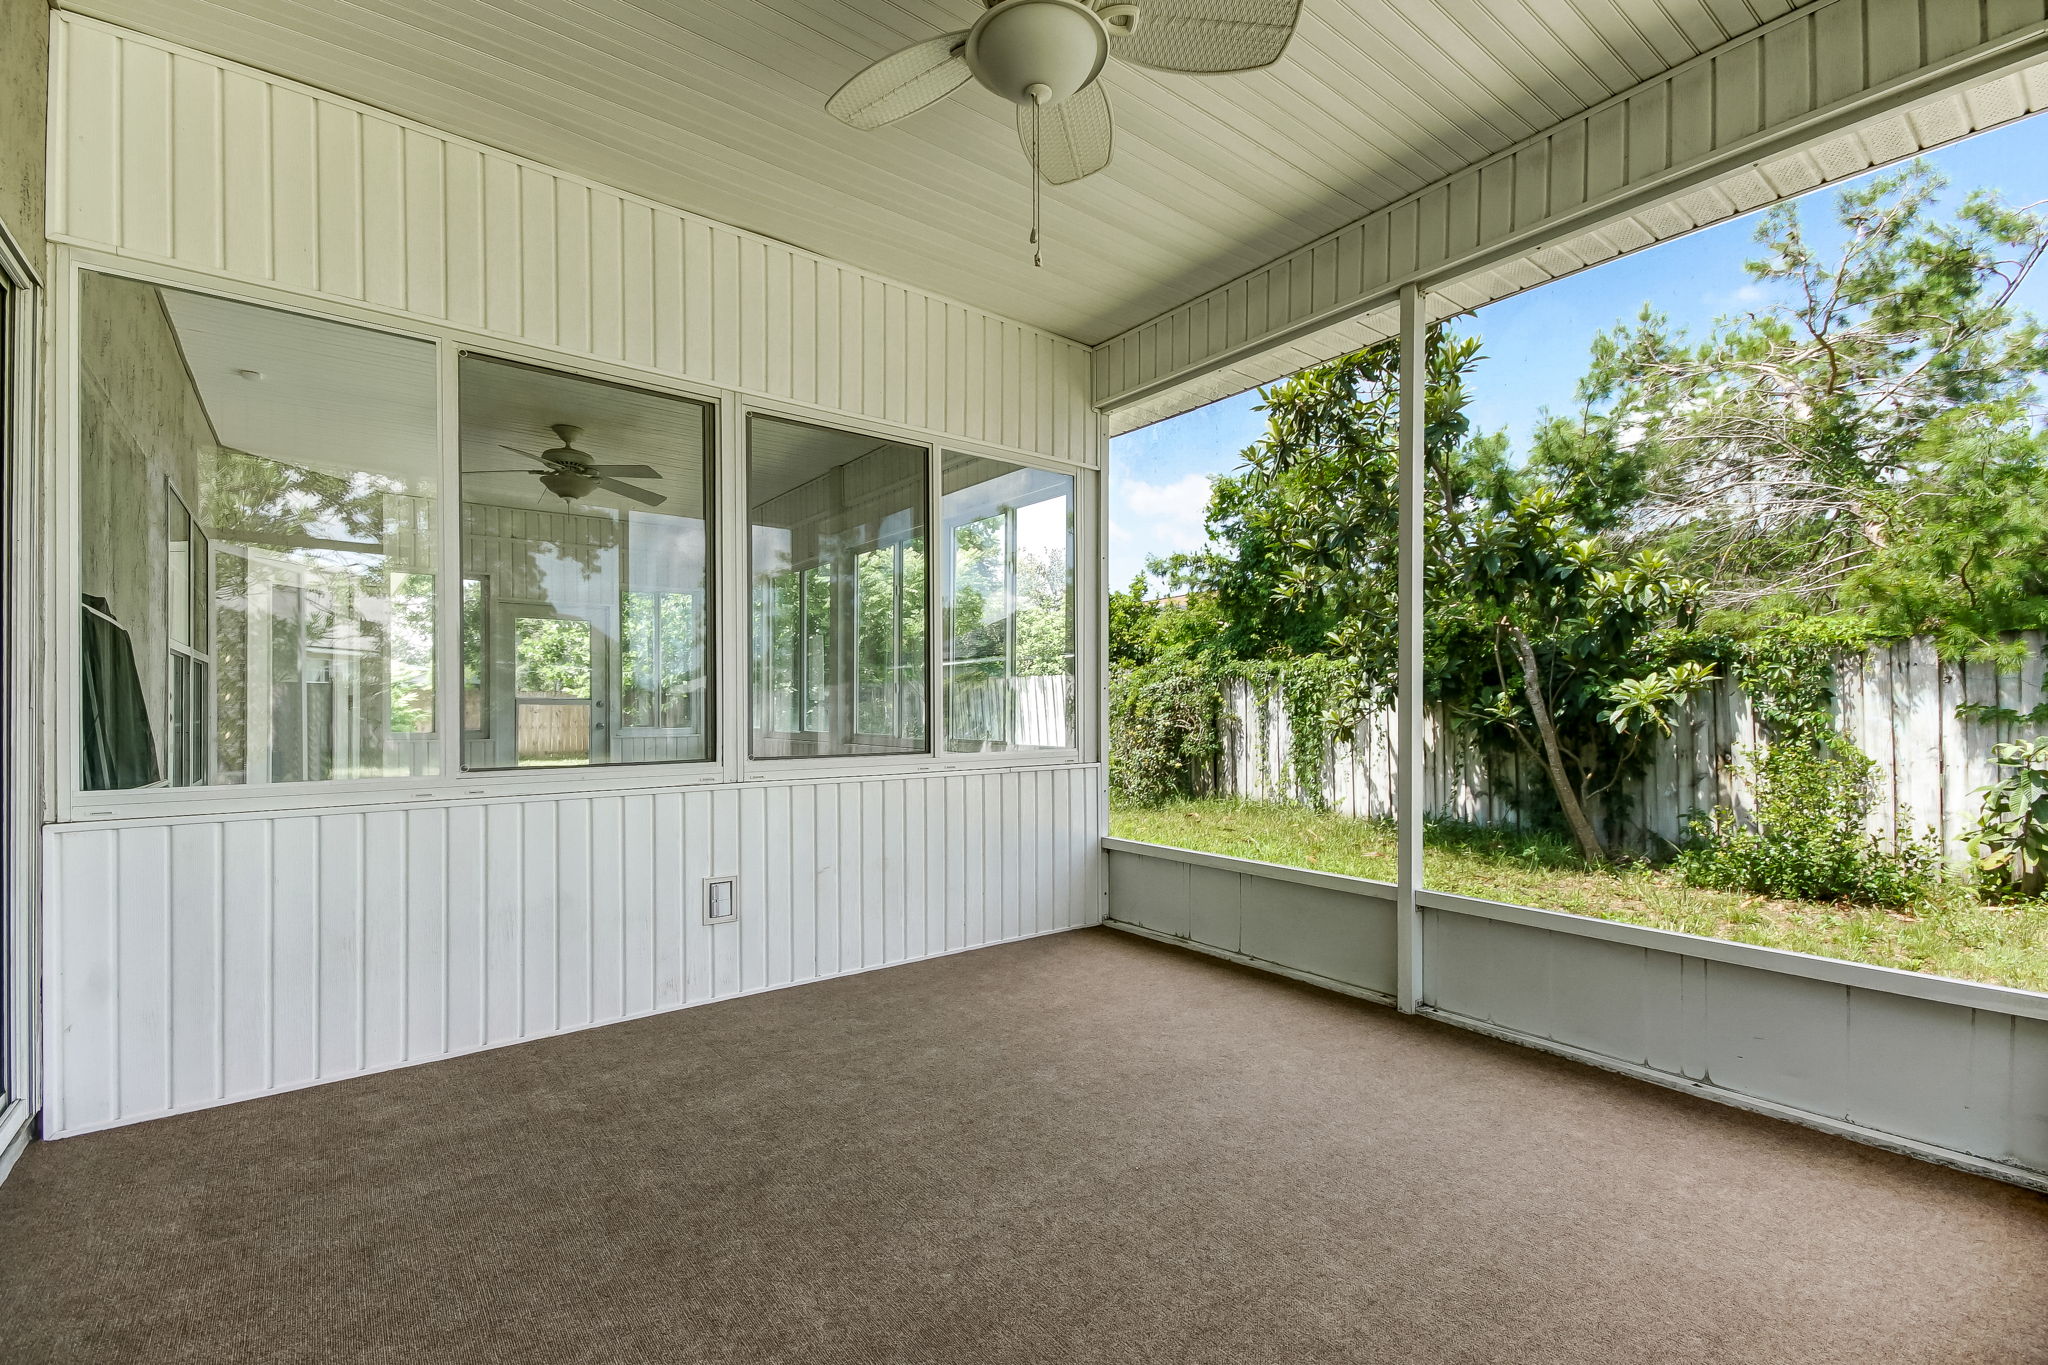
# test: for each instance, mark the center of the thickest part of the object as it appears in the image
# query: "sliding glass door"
(18, 810)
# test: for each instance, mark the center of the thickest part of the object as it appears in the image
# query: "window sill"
(165, 804)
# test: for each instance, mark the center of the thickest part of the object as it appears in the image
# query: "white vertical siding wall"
(168, 155)
(202, 958)
(208, 959)
(1712, 138)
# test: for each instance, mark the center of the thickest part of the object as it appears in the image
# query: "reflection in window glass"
(190, 636)
(839, 590)
(256, 556)
(585, 571)
(1009, 606)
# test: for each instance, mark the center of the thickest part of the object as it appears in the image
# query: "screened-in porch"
(584, 782)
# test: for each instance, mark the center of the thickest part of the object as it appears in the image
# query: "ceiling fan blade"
(1073, 135)
(501, 471)
(902, 83)
(626, 490)
(623, 471)
(527, 453)
(1209, 36)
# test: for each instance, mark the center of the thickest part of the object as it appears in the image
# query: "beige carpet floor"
(1084, 1148)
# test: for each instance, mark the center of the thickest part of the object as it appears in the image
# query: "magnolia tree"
(1545, 632)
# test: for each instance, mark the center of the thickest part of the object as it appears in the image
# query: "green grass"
(1953, 935)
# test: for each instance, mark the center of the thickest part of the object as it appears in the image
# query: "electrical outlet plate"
(721, 900)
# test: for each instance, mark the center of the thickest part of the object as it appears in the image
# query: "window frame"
(1080, 638)
(717, 475)
(1089, 541)
(192, 658)
(728, 724)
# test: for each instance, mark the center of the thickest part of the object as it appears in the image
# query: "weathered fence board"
(1899, 703)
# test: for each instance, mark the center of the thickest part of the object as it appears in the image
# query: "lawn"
(1954, 935)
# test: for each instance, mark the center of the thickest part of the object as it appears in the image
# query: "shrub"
(1809, 840)
(2010, 841)
(1164, 732)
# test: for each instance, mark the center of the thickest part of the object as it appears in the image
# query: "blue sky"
(1535, 345)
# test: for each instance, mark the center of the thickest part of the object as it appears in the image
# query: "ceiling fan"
(569, 473)
(1045, 56)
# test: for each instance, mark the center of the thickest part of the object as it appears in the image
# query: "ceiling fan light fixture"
(1057, 45)
(567, 484)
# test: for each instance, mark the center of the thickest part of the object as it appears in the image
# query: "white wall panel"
(1333, 930)
(168, 155)
(1947, 1069)
(1720, 135)
(209, 959)
(1958, 1075)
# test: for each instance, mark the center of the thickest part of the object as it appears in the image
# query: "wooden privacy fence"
(1899, 703)
(1029, 711)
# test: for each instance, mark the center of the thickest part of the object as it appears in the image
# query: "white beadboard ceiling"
(309, 391)
(717, 106)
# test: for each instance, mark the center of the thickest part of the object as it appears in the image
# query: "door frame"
(502, 693)
(21, 769)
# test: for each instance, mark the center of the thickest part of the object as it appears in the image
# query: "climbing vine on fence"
(1321, 703)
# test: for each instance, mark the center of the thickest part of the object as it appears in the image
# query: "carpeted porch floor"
(1084, 1148)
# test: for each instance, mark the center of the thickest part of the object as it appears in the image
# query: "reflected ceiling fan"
(1045, 57)
(570, 474)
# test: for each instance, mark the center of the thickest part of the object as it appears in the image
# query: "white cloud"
(1155, 519)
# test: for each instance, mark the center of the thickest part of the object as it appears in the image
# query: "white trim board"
(1707, 1090)
(24, 410)
(1328, 983)
(1833, 970)
(1222, 862)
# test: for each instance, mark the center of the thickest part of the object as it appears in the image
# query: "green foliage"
(1165, 696)
(1165, 731)
(1808, 839)
(1316, 692)
(553, 656)
(1862, 445)
(409, 652)
(1547, 632)
(1964, 560)
(2010, 842)
(1787, 670)
(1131, 620)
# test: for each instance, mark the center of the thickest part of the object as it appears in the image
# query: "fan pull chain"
(1038, 94)
(1037, 258)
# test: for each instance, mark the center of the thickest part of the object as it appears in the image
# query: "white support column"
(1408, 735)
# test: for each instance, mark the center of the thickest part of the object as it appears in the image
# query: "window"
(1009, 606)
(256, 557)
(586, 571)
(271, 587)
(838, 590)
